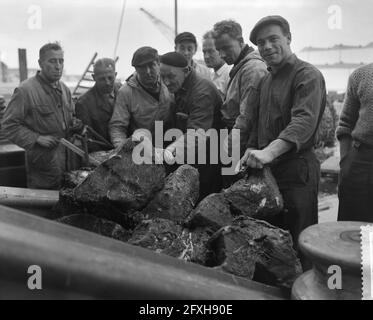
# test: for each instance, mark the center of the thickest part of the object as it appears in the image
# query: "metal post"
(176, 18)
(1, 69)
(22, 58)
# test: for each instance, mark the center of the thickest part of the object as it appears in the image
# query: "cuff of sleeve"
(292, 140)
(342, 131)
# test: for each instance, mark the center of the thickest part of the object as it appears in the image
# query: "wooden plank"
(22, 197)
(84, 263)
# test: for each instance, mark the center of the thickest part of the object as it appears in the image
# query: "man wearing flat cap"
(142, 100)
(292, 102)
(186, 44)
(95, 107)
(197, 106)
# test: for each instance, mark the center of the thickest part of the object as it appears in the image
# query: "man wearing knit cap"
(197, 106)
(142, 100)
(186, 44)
(292, 100)
(95, 107)
(355, 135)
(248, 69)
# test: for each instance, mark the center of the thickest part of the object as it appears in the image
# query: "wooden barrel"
(331, 246)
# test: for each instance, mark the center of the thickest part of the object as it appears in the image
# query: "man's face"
(210, 54)
(273, 45)
(188, 49)
(149, 73)
(173, 77)
(52, 65)
(229, 48)
(105, 80)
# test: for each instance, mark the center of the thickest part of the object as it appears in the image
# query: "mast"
(176, 18)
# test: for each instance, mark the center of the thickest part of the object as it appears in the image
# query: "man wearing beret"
(95, 107)
(248, 69)
(186, 44)
(197, 106)
(142, 100)
(292, 102)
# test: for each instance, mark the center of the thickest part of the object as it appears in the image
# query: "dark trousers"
(355, 188)
(298, 177)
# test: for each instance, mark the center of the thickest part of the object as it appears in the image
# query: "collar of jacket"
(117, 86)
(187, 82)
(241, 60)
(48, 88)
(134, 82)
(291, 60)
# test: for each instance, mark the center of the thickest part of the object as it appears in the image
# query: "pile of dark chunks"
(226, 231)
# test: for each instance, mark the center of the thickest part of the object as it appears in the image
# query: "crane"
(169, 32)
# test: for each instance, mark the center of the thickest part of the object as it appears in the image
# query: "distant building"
(337, 62)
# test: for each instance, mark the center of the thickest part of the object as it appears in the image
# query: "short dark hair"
(48, 47)
(230, 27)
(208, 35)
(270, 20)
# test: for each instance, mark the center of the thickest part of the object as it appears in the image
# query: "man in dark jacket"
(39, 114)
(197, 106)
(290, 105)
(95, 107)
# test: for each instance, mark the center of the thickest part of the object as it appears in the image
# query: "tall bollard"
(335, 251)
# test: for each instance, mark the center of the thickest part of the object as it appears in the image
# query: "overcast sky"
(86, 26)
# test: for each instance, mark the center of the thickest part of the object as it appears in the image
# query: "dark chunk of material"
(73, 178)
(178, 197)
(212, 212)
(121, 181)
(255, 196)
(160, 235)
(102, 156)
(101, 226)
(167, 237)
(68, 205)
(256, 250)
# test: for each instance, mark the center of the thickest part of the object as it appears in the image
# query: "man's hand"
(258, 158)
(345, 145)
(77, 126)
(162, 155)
(49, 142)
(254, 159)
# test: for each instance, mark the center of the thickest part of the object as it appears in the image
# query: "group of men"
(275, 99)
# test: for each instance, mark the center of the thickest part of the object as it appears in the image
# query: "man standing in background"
(355, 135)
(248, 68)
(186, 44)
(95, 107)
(213, 60)
(39, 114)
